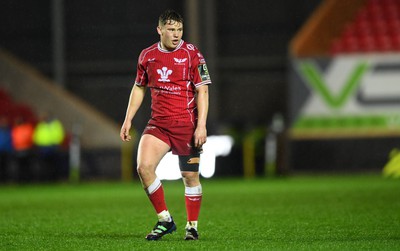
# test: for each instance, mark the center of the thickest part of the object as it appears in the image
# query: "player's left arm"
(200, 134)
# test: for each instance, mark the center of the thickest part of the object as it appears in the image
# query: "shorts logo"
(164, 73)
(194, 160)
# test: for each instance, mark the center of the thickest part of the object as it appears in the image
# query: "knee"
(144, 169)
(191, 179)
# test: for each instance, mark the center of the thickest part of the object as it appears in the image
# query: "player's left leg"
(189, 166)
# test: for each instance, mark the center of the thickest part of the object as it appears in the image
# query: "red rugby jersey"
(172, 77)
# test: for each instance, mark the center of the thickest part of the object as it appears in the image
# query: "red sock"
(193, 197)
(156, 195)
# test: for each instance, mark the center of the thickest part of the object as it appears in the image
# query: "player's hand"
(200, 137)
(124, 134)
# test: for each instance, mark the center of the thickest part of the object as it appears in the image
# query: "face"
(170, 34)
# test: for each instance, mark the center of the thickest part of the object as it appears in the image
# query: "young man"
(177, 75)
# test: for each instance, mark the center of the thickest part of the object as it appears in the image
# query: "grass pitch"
(296, 213)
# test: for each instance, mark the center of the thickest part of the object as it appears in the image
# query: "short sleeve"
(141, 74)
(200, 73)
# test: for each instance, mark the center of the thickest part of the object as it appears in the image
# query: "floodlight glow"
(168, 169)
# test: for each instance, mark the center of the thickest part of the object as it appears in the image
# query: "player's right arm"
(135, 100)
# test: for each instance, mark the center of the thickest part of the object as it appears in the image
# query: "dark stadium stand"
(375, 28)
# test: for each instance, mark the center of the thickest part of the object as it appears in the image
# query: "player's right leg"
(150, 152)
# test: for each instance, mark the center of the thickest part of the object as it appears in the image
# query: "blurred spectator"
(5, 148)
(48, 137)
(21, 136)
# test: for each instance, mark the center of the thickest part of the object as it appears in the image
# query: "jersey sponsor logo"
(164, 73)
(180, 60)
(171, 89)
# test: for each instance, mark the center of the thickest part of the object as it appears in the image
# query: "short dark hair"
(170, 15)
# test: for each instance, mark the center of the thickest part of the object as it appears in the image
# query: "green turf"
(297, 213)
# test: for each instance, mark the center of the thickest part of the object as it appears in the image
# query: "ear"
(159, 30)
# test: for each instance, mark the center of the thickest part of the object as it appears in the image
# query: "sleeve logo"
(203, 71)
(190, 47)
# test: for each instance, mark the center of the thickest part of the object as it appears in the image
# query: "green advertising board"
(346, 96)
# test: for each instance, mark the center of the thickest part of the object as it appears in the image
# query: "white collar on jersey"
(164, 50)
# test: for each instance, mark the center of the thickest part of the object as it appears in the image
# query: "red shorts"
(177, 134)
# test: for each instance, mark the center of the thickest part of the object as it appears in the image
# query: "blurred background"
(295, 84)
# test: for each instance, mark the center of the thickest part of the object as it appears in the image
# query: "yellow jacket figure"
(48, 137)
(48, 133)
